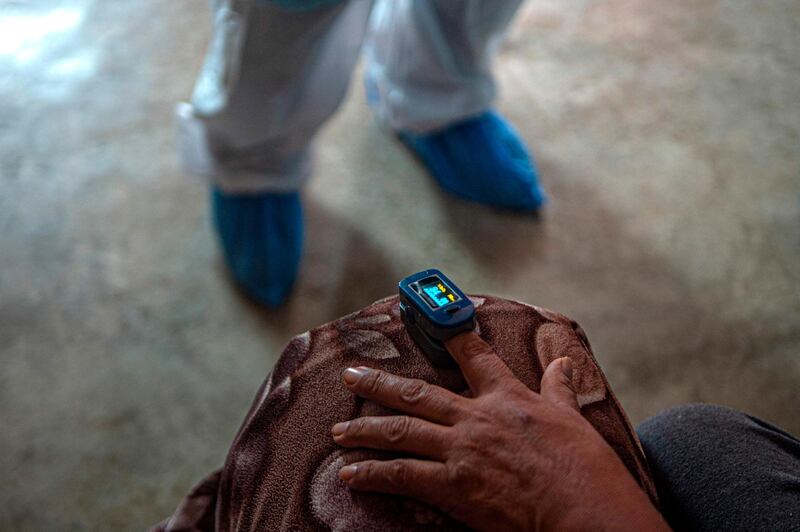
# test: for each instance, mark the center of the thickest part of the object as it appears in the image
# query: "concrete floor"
(668, 135)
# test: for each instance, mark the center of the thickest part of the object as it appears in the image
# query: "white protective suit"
(273, 76)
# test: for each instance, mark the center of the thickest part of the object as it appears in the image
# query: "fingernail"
(566, 367)
(351, 375)
(339, 428)
(348, 472)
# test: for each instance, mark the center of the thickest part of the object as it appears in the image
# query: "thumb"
(557, 383)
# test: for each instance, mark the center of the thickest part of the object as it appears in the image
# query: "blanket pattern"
(282, 468)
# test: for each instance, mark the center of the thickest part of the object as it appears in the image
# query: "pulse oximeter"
(433, 310)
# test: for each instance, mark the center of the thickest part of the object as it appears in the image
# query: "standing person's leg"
(271, 78)
(719, 469)
(429, 79)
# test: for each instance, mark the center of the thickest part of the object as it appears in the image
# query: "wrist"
(607, 498)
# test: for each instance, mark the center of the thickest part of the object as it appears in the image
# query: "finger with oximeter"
(433, 310)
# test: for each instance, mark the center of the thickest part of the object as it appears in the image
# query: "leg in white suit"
(273, 76)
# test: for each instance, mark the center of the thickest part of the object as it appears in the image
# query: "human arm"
(506, 457)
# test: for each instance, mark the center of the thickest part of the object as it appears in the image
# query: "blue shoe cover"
(481, 159)
(262, 240)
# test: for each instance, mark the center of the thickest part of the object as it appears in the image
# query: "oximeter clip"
(433, 310)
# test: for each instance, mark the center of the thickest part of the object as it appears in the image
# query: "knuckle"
(522, 417)
(374, 381)
(397, 429)
(567, 381)
(397, 474)
(484, 413)
(563, 380)
(474, 438)
(497, 367)
(498, 375)
(413, 391)
(357, 427)
(366, 471)
(475, 347)
(461, 474)
(477, 442)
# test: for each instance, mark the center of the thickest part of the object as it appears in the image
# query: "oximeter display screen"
(435, 293)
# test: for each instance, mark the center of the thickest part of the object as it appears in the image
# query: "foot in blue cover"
(262, 240)
(481, 159)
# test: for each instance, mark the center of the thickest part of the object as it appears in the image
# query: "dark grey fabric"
(719, 469)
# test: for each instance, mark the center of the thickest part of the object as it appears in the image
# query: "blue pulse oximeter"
(433, 310)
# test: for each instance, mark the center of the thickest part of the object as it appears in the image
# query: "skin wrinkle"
(397, 429)
(514, 455)
(398, 475)
(303, 461)
(357, 427)
(414, 391)
(374, 380)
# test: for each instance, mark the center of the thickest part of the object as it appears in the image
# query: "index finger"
(481, 366)
(410, 396)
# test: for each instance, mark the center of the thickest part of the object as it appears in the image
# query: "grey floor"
(668, 135)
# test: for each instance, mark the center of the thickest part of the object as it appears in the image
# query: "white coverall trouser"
(272, 77)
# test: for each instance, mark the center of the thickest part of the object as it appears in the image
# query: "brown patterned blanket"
(282, 468)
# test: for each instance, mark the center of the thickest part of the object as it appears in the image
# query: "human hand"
(506, 458)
